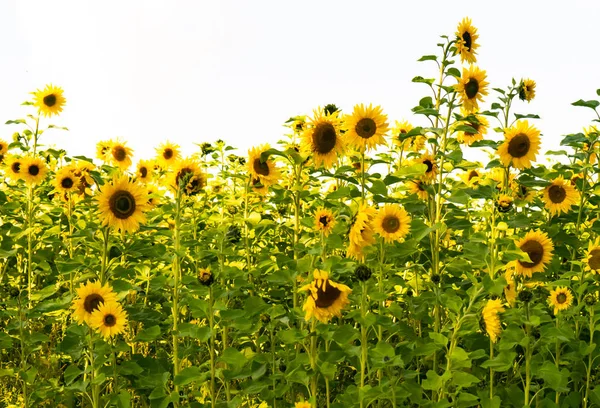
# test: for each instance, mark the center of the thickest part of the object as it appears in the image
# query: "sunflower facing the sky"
(366, 127)
(167, 154)
(392, 223)
(559, 196)
(188, 174)
(361, 233)
(33, 170)
(324, 221)
(471, 88)
(322, 138)
(539, 248)
(89, 298)
(592, 257)
(50, 100)
(479, 123)
(65, 181)
(144, 171)
(466, 41)
(109, 319)
(560, 299)
(521, 144)
(326, 298)
(265, 171)
(120, 155)
(490, 313)
(527, 90)
(122, 204)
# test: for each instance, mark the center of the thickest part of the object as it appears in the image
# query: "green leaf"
(189, 375)
(502, 362)
(438, 338)
(462, 379)
(149, 334)
(555, 379)
(454, 72)
(588, 104)
(233, 357)
(71, 373)
(428, 58)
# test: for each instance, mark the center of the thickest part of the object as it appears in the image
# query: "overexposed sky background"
(195, 71)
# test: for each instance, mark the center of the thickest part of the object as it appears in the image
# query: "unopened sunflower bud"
(205, 276)
(362, 273)
(525, 296)
(590, 299)
(436, 278)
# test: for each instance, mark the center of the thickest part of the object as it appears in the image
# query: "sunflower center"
(327, 297)
(594, 259)
(260, 167)
(471, 88)
(92, 302)
(143, 172)
(324, 220)
(519, 145)
(324, 138)
(472, 175)
(474, 126)
(50, 100)
(67, 182)
(390, 224)
(34, 170)
(366, 128)
(468, 41)
(168, 153)
(110, 320)
(429, 165)
(561, 298)
(16, 167)
(119, 153)
(122, 204)
(557, 194)
(535, 250)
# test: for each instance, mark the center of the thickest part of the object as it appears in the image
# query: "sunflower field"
(357, 263)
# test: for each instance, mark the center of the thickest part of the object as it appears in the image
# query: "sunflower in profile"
(592, 257)
(188, 175)
(324, 221)
(50, 100)
(322, 138)
(65, 181)
(298, 125)
(366, 127)
(167, 154)
(33, 170)
(479, 123)
(13, 167)
(559, 196)
(89, 297)
(560, 299)
(103, 148)
(265, 171)
(361, 233)
(154, 195)
(326, 298)
(392, 223)
(490, 313)
(418, 187)
(428, 160)
(122, 204)
(524, 193)
(539, 247)
(120, 155)
(510, 290)
(471, 87)
(82, 170)
(144, 171)
(521, 144)
(591, 133)
(471, 178)
(109, 319)
(527, 90)
(466, 41)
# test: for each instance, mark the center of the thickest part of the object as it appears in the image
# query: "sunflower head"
(322, 138)
(560, 298)
(298, 125)
(471, 87)
(431, 169)
(466, 41)
(392, 223)
(361, 233)
(33, 170)
(324, 221)
(326, 298)
(188, 176)
(526, 90)
(264, 170)
(399, 133)
(3, 147)
(50, 100)
(490, 313)
(122, 204)
(167, 154)
(144, 171)
(592, 258)
(103, 150)
(471, 177)
(418, 187)
(120, 155)
(363, 273)
(13, 166)
(504, 203)
(521, 144)
(205, 276)
(539, 248)
(109, 319)
(366, 127)
(510, 290)
(302, 404)
(478, 123)
(65, 180)
(89, 298)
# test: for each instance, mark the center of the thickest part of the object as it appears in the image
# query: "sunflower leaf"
(592, 104)
(428, 58)
(528, 116)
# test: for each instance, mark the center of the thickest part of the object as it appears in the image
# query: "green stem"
(527, 359)
(273, 367)
(23, 364)
(557, 359)
(211, 324)
(176, 276)
(95, 387)
(590, 360)
(491, 370)
(313, 362)
(104, 264)
(363, 338)
(29, 244)
(362, 174)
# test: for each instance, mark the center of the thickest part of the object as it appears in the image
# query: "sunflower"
(103, 150)
(167, 154)
(525, 193)
(3, 147)
(13, 167)
(205, 276)
(521, 144)
(82, 170)
(592, 257)
(418, 187)
(477, 122)
(539, 247)
(187, 174)
(591, 133)
(33, 170)
(392, 223)
(89, 297)
(510, 290)
(326, 298)
(322, 138)
(560, 298)
(324, 221)
(366, 127)
(258, 187)
(302, 404)
(120, 155)
(265, 171)
(471, 88)
(153, 195)
(144, 171)
(527, 90)
(65, 181)
(361, 233)
(432, 169)
(50, 101)
(399, 131)
(122, 204)
(504, 203)
(298, 125)
(466, 41)
(490, 313)
(559, 196)
(109, 319)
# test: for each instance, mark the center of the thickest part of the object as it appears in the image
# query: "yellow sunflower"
(525, 193)
(471, 88)
(82, 170)
(559, 196)
(13, 167)
(477, 122)
(418, 187)
(539, 248)
(109, 319)
(298, 125)
(167, 154)
(527, 90)
(144, 171)
(322, 138)
(3, 147)
(33, 170)
(65, 181)
(154, 195)
(401, 129)
(466, 41)
(50, 101)
(471, 178)
(428, 160)
(591, 133)
(392, 223)
(324, 221)
(122, 204)
(366, 127)
(266, 171)
(493, 327)
(89, 297)
(592, 257)
(187, 173)
(258, 187)
(521, 144)
(103, 150)
(205, 276)
(326, 298)
(560, 298)
(510, 290)
(361, 233)
(120, 155)
(504, 203)
(302, 404)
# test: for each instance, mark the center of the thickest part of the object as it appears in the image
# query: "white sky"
(194, 71)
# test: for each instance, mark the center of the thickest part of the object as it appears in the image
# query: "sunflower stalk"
(104, 262)
(313, 362)
(93, 374)
(23, 363)
(211, 324)
(364, 347)
(588, 374)
(528, 353)
(176, 277)
(29, 244)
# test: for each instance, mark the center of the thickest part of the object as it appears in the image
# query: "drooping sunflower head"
(264, 170)
(539, 247)
(510, 290)
(504, 203)
(109, 319)
(366, 127)
(592, 134)
(324, 221)
(491, 317)
(431, 171)
(527, 90)
(89, 298)
(120, 155)
(122, 204)
(559, 196)
(471, 177)
(167, 154)
(471, 87)
(392, 223)
(65, 181)
(361, 233)
(326, 298)
(322, 138)
(560, 298)
(188, 175)
(466, 41)
(33, 170)
(592, 258)
(399, 133)
(521, 144)
(144, 171)
(50, 100)
(480, 126)
(13, 166)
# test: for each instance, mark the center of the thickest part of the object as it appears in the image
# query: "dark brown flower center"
(92, 302)
(15, 167)
(390, 224)
(324, 220)
(535, 250)
(119, 153)
(519, 145)
(557, 194)
(67, 182)
(472, 174)
(366, 128)
(594, 259)
(324, 138)
(168, 153)
(260, 167)
(110, 320)
(471, 88)
(561, 298)
(429, 165)
(467, 39)
(50, 100)
(122, 204)
(143, 172)
(33, 170)
(474, 126)
(327, 297)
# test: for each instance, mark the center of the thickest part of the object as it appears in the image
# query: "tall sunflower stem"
(93, 375)
(313, 362)
(557, 357)
(590, 360)
(362, 175)
(527, 359)
(104, 262)
(23, 353)
(176, 277)
(29, 244)
(363, 338)
(211, 324)
(491, 369)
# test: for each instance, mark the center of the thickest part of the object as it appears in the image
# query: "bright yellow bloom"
(539, 248)
(361, 233)
(167, 154)
(466, 41)
(322, 138)
(527, 90)
(477, 122)
(521, 144)
(188, 174)
(33, 170)
(144, 171)
(65, 181)
(324, 221)
(560, 299)
(326, 298)
(471, 88)
(592, 257)
(493, 327)
(50, 100)
(428, 160)
(13, 166)
(392, 223)
(559, 196)
(89, 297)
(120, 155)
(122, 204)
(265, 171)
(109, 319)
(366, 127)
